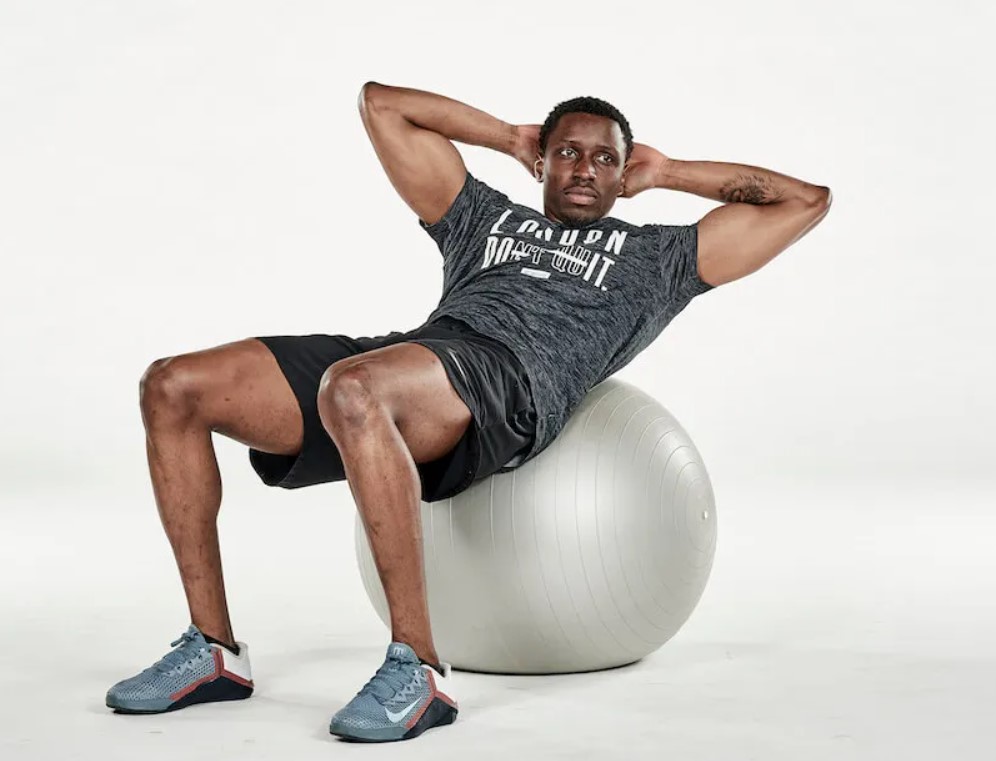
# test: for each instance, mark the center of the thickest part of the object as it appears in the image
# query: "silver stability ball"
(589, 556)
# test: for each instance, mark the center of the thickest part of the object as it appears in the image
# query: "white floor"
(852, 623)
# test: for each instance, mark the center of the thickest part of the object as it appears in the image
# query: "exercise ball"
(589, 556)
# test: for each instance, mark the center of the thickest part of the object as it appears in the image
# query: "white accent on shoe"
(397, 718)
(443, 681)
(236, 664)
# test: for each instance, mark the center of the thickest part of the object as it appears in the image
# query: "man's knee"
(167, 386)
(349, 393)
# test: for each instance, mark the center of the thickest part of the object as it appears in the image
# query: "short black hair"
(586, 105)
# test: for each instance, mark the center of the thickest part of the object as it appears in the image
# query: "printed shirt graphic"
(573, 304)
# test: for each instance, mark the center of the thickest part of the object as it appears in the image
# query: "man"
(536, 309)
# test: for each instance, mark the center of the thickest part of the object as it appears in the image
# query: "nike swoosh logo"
(397, 718)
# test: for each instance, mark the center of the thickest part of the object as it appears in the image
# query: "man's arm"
(411, 132)
(764, 213)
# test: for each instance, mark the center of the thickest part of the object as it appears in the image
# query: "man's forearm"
(736, 183)
(450, 118)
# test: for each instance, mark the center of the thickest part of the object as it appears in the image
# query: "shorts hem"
(268, 467)
(455, 376)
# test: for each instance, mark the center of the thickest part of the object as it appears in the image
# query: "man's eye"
(607, 157)
(565, 151)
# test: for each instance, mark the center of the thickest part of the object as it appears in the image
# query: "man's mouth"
(581, 195)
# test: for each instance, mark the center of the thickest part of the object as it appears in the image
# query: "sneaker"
(196, 671)
(402, 700)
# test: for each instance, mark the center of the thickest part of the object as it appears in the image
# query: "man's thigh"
(408, 381)
(480, 380)
(236, 389)
(304, 361)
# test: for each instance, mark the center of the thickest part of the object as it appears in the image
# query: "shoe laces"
(182, 653)
(390, 679)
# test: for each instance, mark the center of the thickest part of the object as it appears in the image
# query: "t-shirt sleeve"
(458, 225)
(679, 249)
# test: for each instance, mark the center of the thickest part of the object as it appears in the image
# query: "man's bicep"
(425, 168)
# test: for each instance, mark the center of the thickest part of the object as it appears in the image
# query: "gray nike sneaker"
(195, 671)
(402, 700)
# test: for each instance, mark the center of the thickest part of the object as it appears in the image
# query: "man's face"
(582, 168)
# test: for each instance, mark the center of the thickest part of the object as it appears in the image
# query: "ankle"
(429, 657)
(229, 643)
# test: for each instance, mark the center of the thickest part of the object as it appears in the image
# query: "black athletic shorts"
(485, 374)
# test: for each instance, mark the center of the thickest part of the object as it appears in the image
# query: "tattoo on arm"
(750, 189)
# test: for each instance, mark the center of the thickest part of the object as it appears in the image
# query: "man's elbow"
(821, 198)
(373, 97)
(815, 210)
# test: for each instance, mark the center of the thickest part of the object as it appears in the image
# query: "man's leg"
(386, 410)
(237, 390)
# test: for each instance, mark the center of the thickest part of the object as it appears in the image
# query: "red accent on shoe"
(218, 669)
(433, 693)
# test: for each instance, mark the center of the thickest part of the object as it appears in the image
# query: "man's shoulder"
(484, 190)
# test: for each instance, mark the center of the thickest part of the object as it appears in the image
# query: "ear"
(622, 180)
(538, 170)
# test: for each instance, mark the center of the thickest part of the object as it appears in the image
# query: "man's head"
(584, 144)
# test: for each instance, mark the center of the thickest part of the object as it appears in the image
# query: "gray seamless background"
(175, 175)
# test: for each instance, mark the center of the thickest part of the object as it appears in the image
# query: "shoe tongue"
(399, 651)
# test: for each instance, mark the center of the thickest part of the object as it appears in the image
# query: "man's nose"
(584, 168)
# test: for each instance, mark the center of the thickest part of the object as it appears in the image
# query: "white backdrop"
(175, 175)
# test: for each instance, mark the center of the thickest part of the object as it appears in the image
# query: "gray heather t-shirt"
(573, 304)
